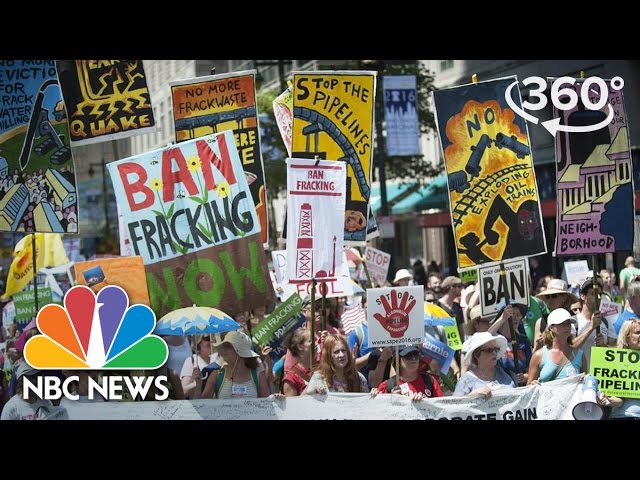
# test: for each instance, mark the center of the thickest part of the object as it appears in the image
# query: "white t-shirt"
(178, 354)
(583, 324)
(187, 368)
(18, 409)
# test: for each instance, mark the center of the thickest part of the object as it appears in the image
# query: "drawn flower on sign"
(193, 164)
(156, 185)
(223, 189)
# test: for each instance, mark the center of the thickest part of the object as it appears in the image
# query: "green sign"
(617, 371)
(469, 276)
(268, 328)
(453, 337)
(26, 305)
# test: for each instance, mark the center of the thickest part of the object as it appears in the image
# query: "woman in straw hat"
(239, 377)
(484, 375)
(555, 295)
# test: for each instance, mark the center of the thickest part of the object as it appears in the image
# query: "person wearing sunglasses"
(481, 354)
(555, 295)
(194, 365)
(560, 357)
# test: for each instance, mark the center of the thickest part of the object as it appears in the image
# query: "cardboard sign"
(575, 272)
(377, 264)
(493, 288)
(395, 316)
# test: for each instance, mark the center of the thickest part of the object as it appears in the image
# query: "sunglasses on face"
(554, 295)
(412, 356)
(490, 350)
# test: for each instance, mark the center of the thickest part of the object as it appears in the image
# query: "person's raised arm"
(594, 325)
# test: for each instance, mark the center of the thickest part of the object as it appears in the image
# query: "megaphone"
(588, 408)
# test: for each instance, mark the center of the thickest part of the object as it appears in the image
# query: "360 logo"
(566, 93)
(97, 332)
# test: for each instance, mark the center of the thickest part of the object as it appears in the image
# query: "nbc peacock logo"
(96, 332)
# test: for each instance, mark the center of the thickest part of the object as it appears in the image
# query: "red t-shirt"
(295, 379)
(417, 386)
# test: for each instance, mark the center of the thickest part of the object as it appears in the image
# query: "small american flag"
(352, 316)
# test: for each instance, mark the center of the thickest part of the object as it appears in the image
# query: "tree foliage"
(410, 168)
(274, 152)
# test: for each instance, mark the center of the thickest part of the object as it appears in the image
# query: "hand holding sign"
(396, 316)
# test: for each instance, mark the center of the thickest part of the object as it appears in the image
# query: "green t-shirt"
(626, 274)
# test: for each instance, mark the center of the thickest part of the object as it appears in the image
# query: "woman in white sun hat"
(403, 278)
(558, 358)
(481, 354)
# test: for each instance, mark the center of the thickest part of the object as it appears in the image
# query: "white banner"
(395, 315)
(316, 196)
(492, 290)
(401, 115)
(547, 401)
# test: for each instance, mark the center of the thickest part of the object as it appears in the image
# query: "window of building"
(446, 64)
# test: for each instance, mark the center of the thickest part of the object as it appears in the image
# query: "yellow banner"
(333, 120)
(49, 253)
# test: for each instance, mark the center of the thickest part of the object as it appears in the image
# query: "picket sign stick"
(313, 319)
(397, 365)
(512, 331)
(364, 265)
(596, 288)
(35, 270)
(323, 290)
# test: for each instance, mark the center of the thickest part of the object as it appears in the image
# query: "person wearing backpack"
(411, 382)
(239, 377)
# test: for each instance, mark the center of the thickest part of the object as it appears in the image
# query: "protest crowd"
(198, 312)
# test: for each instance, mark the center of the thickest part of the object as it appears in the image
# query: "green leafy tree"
(274, 152)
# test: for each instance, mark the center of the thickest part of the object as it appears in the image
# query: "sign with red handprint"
(395, 316)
